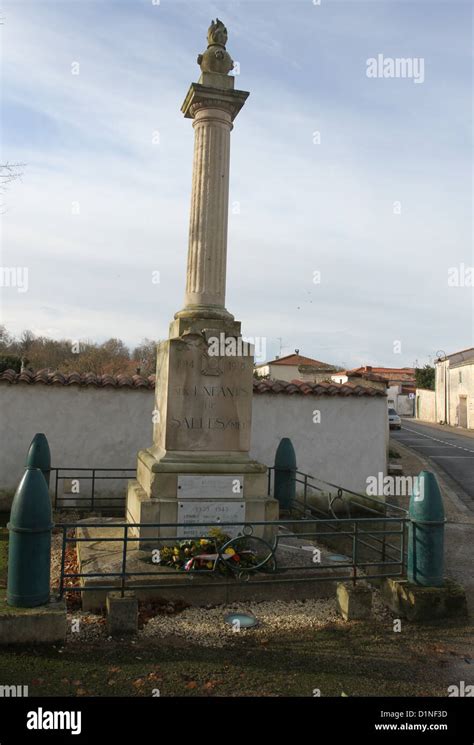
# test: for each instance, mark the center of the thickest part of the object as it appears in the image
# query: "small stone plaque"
(196, 486)
(212, 511)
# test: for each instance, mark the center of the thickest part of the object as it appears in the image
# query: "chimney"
(297, 351)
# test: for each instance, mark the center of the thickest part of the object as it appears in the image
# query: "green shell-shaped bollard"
(426, 532)
(29, 550)
(39, 455)
(285, 473)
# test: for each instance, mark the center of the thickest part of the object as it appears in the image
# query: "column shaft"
(207, 252)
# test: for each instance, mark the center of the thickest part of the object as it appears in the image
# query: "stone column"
(213, 104)
(207, 253)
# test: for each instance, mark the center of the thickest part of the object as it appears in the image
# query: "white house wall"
(425, 406)
(453, 382)
(461, 384)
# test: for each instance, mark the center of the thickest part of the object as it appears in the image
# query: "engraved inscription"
(203, 412)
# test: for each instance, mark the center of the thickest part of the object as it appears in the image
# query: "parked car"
(394, 421)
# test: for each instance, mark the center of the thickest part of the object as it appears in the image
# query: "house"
(295, 367)
(399, 383)
(454, 389)
(361, 376)
(396, 377)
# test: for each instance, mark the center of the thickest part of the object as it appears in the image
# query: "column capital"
(208, 96)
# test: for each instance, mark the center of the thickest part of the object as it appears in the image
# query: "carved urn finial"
(216, 58)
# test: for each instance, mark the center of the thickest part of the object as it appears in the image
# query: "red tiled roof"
(370, 368)
(81, 379)
(388, 373)
(43, 377)
(374, 377)
(298, 359)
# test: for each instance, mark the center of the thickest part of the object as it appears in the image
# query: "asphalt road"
(451, 452)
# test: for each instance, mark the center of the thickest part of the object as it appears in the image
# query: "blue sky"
(296, 207)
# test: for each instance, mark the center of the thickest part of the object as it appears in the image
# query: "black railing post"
(124, 559)
(63, 562)
(93, 489)
(384, 525)
(402, 547)
(354, 554)
(56, 484)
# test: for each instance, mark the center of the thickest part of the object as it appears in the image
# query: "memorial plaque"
(200, 511)
(197, 486)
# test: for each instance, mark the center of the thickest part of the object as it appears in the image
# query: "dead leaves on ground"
(203, 687)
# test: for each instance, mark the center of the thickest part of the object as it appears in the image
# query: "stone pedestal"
(354, 602)
(122, 613)
(419, 603)
(198, 467)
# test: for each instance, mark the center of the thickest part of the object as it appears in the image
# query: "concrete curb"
(45, 624)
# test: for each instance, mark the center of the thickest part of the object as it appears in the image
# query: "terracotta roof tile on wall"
(324, 388)
(81, 379)
(296, 387)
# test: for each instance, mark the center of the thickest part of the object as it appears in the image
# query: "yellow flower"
(230, 551)
(209, 564)
(203, 542)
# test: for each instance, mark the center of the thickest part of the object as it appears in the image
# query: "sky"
(350, 196)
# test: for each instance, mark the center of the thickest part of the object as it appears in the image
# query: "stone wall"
(93, 427)
(425, 405)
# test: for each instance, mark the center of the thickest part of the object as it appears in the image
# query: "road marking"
(436, 439)
(460, 457)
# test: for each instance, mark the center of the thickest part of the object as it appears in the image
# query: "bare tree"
(145, 356)
(9, 172)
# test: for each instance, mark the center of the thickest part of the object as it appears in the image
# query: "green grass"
(361, 659)
(3, 556)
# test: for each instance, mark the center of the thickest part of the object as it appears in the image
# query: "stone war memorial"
(198, 467)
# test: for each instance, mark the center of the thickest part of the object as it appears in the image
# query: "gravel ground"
(56, 549)
(206, 626)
